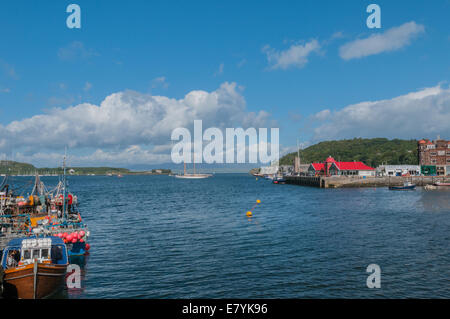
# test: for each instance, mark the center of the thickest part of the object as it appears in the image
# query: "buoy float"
(258, 201)
(249, 214)
(88, 247)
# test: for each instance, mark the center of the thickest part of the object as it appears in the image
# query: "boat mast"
(64, 184)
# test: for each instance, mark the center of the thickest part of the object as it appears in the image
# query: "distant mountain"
(373, 152)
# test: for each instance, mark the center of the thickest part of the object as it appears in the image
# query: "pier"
(360, 181)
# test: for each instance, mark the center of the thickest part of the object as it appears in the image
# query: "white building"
(269, 170)
(398, 170)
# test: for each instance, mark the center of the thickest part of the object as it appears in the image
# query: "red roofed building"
(331, 167)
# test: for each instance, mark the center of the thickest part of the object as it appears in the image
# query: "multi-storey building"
(435, 153)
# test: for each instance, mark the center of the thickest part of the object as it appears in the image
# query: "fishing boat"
(34, 267)
(441, 184)
(406, 186)
(45, 213)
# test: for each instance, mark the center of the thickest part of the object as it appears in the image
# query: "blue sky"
(171, 48)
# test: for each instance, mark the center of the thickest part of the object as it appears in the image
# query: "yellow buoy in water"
(258, 201)
(249, 214)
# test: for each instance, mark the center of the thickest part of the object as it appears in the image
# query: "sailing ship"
(34, 267)
(192, 176)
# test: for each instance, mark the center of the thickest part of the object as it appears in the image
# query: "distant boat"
(441, 184)
(119, 175)
(279, 181)
(406, 186)
(192, 176)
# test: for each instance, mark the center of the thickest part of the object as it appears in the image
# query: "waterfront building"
(269, 170)
(332, 167)
(398, 170)
(434, 156)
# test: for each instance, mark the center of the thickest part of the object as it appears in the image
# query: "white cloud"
(296, 56)
(391, 40)
(425, 113)
(128, 119)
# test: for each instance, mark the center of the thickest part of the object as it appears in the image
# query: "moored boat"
(279, 181)
(441, 184)
(34, 267)
(406, 186)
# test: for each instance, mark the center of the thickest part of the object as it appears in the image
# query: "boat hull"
(77, 249)
(198, 176)
(34, 281)
(441, 184)
(398, 188)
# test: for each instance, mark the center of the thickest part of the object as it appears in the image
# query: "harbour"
(193, 239)
(354, 181)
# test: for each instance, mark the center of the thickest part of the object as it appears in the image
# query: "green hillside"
(373, 152)
(16, 168)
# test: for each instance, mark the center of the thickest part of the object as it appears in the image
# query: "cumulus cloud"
(126, 119)
(425, 113)
(296, 56)
(391, 40)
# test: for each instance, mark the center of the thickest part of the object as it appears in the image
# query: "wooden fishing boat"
(406, 186)
(34, 267)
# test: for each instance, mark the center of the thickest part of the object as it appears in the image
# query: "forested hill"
(373, 152)
(17, 168)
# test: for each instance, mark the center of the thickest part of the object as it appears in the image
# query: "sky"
(114, 90)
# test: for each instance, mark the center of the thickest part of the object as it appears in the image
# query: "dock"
(361, 181)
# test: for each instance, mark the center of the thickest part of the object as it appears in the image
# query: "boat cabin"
(24, 251)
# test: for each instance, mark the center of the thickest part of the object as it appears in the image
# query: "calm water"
(161, 237)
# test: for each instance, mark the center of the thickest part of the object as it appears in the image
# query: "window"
(433, 153)
(44, 253)
(35, 253)
(26, 254)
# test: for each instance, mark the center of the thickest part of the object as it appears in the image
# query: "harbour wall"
(359, 181)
